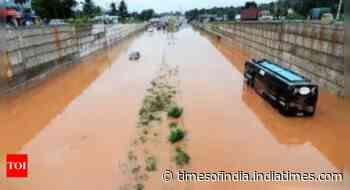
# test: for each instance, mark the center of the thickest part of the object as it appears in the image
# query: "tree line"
(277, 8)
(64, 9)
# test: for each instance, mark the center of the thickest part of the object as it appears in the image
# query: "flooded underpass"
(80, 127)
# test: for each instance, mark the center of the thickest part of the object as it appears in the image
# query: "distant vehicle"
(150, 29)
(292, 93)
(250, 11)
(266, 18)
(56, 22)
(106, 19)
(238, 17)
(134, 56)
(317, 13)
(327, 18)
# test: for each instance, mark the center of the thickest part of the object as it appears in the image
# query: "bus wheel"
(258, 87)
(285, 110)
(251, 82)
(310, 111)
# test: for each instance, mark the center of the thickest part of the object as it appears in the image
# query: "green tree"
(21, 1)
(147, 14)
(250, 4)
(98, 11)
(192, 14)
(277, 8)
(89, 8)
(54, 8)
(231, 14)
(123, 11)
(114, 10)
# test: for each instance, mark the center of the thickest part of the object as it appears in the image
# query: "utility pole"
(339, 9)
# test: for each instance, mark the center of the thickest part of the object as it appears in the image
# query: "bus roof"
(285, 73)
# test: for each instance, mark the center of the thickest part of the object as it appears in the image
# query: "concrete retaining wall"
(96, 37)
(30, 48)
(312, 49)
(347, 60)
(2, 59)
(25, 52)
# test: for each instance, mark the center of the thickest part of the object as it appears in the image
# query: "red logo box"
(17, 165)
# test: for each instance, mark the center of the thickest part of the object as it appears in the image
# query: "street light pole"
(339, 9)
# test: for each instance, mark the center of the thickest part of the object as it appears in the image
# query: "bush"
(295, 16)
(176, 135)
(181, 158)
(139, 186)
(151, 164)
(175, 112)
(173, 125)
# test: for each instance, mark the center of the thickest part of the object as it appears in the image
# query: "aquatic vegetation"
(158, 102)
(136, 169)
(175, 112)
(143, 139)
(176, 135)
(151, 164)
(139, 186)
(173, 125)
(132, 156)
(181, 157)
(145, 132)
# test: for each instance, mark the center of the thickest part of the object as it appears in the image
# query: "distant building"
(27, 4)
(250, 11)
(11, 11)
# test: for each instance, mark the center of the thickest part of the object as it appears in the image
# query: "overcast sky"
(174, 5)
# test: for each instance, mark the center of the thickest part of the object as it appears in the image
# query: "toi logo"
(17, 165)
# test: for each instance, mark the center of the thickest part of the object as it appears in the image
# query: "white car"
(327, 18)
(150, 29)
(56, 22)
(134, 56)
(266, 18)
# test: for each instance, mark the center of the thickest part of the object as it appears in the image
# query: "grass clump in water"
(181, 157)
(176, 135)
(139, 186)
(175, 112)
(151, 164)
(173, 125)
(159, 99)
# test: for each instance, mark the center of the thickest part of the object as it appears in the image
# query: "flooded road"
(77, 127)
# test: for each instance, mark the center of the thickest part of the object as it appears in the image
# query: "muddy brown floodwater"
(78, 127)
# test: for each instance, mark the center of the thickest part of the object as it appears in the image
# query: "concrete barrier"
(25, 53)
(313, 49)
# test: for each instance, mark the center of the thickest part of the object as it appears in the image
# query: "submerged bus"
(291, 92)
